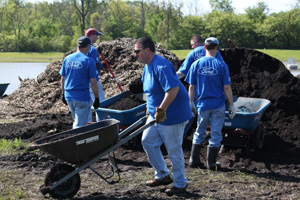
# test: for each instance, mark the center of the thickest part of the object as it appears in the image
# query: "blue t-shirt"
(93, 53)
(194, 55)
(209, 75)
(158, 77)
(78, 70)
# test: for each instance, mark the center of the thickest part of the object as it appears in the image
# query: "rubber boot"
(194, 161)
(212, 163)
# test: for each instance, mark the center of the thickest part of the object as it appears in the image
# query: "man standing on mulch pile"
(210, 78)
(168, 104)
(77, 72)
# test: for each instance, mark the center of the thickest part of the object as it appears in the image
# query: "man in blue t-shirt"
(93, 34)
(168, 104)
(210, 78)
(77, 72)
(197, 52)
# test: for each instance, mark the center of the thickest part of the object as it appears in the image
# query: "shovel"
(107, 65)
(230, 41)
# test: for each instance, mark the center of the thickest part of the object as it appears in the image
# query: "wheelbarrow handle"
(135, 124)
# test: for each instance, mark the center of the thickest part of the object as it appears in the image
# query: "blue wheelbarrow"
(245, 129)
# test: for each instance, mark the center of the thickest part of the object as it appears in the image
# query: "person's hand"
(231, 111)
(160, 115)
(193, 107)
(63, 99)
(99, 50)
(96, 103)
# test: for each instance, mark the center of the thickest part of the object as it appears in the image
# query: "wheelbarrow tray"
(248, 115)
(3, 87)
(126, 117)
(80, 144)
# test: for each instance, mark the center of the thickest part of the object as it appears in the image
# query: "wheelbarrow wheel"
(258, 137)
(68, 188)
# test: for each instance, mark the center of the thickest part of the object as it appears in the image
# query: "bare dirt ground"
(35, 111)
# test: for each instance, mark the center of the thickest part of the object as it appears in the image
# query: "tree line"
(56, 26)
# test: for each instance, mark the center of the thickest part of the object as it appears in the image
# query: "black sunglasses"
(138, 51)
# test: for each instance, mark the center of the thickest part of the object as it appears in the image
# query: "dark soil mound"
(255, 74)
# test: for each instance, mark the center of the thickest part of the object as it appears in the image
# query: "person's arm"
(62, 83)
(94, 86)
(62, 87)
(192, 93)
(169, 97)
(231, 109)
(160, 114)
(192, 97)
(228, 93)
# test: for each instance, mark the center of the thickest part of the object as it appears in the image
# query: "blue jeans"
(172, 137)
(101, 98)
(215, 118)
(80, 111)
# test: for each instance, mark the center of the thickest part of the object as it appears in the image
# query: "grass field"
(280, 54)
(30, 56)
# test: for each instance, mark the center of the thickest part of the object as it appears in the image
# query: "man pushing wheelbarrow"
(168, 104)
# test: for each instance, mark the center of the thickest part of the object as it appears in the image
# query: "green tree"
(257, 13)
(82, 7)
(225, 25)
(282, 30)
(188, 26)
(221, 5)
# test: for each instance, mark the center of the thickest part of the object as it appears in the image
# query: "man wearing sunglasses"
(168, 104)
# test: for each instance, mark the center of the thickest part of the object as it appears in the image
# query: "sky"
(239, 6)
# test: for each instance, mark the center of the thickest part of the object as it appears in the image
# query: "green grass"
(280, 54)
(8, 147)
(30, 56)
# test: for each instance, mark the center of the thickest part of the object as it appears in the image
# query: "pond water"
(10, 73)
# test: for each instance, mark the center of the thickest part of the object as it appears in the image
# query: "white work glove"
(194, 109)
(180, 75)
(231, 111)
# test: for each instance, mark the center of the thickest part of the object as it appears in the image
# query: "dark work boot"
(212, 163)
(194, 161)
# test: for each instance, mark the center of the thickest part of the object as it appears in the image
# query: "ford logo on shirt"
(74, 65)
(208, 71)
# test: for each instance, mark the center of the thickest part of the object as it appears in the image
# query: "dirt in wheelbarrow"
(35, 110)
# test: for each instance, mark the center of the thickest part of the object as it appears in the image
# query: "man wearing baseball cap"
(78, 72)
(210, 78)
(93, 34)
(197, 52)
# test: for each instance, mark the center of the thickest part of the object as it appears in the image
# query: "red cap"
(92, 31)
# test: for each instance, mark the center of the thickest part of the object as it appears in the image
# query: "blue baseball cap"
(211, 40)
(83, 41)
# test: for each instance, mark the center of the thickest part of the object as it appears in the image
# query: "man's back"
(78, 69)
(209, 75)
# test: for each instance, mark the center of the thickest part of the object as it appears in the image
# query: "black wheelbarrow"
(81, 148)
